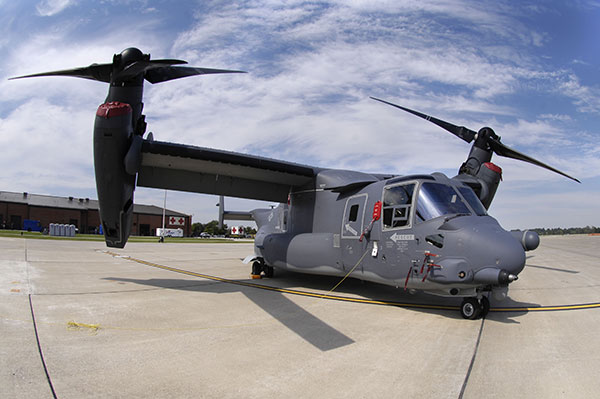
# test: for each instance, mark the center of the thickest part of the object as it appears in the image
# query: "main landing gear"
(259, 267)
(474, 308)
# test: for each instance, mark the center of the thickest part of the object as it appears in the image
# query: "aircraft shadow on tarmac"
(309, 327)
(553, 269)
(303, 323)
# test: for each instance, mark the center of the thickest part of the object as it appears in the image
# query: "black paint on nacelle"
(112, 137)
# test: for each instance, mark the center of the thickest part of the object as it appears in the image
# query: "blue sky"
(530, 70)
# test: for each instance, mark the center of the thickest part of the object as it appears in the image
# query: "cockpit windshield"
(436, 199)
(473, 200)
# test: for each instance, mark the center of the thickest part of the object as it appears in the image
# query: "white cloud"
(556, 117)
(312, 68)
(586, 98)
(48, 8)
(55, 150)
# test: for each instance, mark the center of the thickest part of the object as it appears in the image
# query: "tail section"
(231, 215)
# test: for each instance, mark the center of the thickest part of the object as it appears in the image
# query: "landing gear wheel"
(470, 308)
(268, 271)
(256, 268)
(485, 306)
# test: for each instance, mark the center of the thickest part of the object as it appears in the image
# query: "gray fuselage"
(433, 234)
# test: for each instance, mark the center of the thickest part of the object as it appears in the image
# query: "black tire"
(470, 308)
(256, 268)
(268, 271)
(485, 305)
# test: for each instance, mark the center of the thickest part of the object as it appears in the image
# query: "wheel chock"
(255, 276)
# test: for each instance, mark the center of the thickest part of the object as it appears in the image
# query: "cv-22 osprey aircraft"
(422, 232)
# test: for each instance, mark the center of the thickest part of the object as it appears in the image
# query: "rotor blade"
(460, 131)
(504, 151)
(100, 72)
(162, 74)
(134, 69)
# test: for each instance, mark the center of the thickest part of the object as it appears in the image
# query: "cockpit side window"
(397, 203)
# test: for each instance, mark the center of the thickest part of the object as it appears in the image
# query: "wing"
(205, 170)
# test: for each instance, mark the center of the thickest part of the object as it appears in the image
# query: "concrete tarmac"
(110, 325)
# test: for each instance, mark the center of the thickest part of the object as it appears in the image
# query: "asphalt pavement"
(186, 320)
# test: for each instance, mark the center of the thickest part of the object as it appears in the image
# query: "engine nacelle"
(113, 131)
(489, 175)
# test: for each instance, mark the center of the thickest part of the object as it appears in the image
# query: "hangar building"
(15, 208)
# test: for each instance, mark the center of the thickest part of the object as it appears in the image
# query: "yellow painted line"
(548, 308)
(350, 299)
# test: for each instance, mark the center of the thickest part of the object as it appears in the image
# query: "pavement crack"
(466, 381)
(39, 346)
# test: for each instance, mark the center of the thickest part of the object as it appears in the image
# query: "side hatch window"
(397, 204)
(354, 215)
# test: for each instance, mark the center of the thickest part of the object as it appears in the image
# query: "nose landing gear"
(474, 308)
(259, 267)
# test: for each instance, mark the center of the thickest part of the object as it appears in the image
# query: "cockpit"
(429, 199)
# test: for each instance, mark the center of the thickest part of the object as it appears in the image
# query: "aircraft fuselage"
(432, 234)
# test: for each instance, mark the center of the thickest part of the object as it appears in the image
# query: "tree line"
(568, 230)
(213, 229)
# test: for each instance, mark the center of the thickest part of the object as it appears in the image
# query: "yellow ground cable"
(350, 299)
(351, 270)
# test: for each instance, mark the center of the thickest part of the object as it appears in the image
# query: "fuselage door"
(352, 228)
(398, 245)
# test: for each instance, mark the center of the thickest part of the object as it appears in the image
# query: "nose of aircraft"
(488, 246)
(508, 254)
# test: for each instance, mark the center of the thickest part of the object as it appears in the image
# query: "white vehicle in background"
(169, 232)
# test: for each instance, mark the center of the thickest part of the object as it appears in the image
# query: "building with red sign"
(16, 208)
